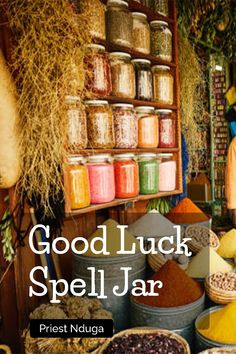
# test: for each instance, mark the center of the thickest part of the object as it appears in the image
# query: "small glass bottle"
(144, 87)
(126, 176)
(163, 84)
(148, 132)
(78, 183)
(148, 173)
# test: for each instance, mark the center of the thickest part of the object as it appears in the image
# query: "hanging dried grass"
(47, 57)
(192, 87)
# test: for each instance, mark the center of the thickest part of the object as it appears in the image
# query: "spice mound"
(146, 343)
(207, 262)
(186, 212)
(113, 240)
(178, 289)
(223, 281)
(227, 247)
(201, 236)
(220, 325)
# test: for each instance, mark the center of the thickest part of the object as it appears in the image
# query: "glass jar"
(99, 73)
(100, 125)
(167, 173)
(161, 6)
(167, 128)
(141, 33)
(101, 178)
(147, 3)
(126, 176)
(78, 183)
(77, 125)
(143, 73)
(119, 23)
(161, 40)
(147, 127)
(163, 84)
(125, 126)
(123, 75)
(148, 173)
(96, 20)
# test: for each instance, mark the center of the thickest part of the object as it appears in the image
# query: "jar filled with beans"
(77, 125)
(141, 33)
(96, 19)
(148, 134)
(163, 84)
(161, 6)
(167, 128)
(125, 126)
(99, 125)
(99, 73)
(123, 75)
(161, 40)
(126, 176)
(119, 23)
(143, 73)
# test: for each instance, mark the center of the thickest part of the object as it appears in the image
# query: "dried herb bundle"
(49, 40)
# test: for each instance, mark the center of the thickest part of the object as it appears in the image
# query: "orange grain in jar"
(148, 130)
(78, 183)
(126, 176)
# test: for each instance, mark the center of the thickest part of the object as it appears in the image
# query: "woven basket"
(5, 348)
(221, 350)
(195, 246)
(156, 261)
(146, 330)
(219, 296)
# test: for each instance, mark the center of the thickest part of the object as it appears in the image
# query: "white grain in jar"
(163, 84)
(141, 33)
(122, 75)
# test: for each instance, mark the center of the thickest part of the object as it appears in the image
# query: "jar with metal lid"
(77, 125)
(161, 40)
(99, 125)
(147, 127)
(148, 173)
(96, 19)
(122, 74)
(119, 23)
(143, 73)
(141, 33)
(125, 126)
(78, 183)
(167, 173)
(101, 178)
(126, 176)
(99, 73)
(167, 128)
(161, 6)
(163, 84)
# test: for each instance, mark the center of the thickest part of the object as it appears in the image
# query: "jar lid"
(120, 54)
(69, 99)
(75, 158)
(126, 156)
(96, 102)
(144, 61)
(144, 108)
(125, 105)
(164, 111)
(147, 155)
(96, 46)
(120, 2)
(157, 22)
(99, 157)
(139, 14)
(165, 67)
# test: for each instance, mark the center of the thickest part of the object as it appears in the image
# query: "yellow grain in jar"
(78, 183)
(163, 84)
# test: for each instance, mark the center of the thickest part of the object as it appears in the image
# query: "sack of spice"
(186, 212)
(227, 247)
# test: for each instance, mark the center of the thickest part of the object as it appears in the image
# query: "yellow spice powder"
(227, 247)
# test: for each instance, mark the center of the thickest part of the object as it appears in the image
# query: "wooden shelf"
(114, 99)
(117, 202)
(123, 151)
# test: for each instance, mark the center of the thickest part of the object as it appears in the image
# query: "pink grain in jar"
(101, 178)
(167, 173)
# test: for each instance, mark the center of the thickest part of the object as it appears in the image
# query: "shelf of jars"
(136, 102)
(137, 151)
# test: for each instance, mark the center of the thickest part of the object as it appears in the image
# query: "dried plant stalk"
(47, 56)
(192, 87)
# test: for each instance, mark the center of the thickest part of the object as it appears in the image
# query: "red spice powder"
(178, 288)
(186, 212)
